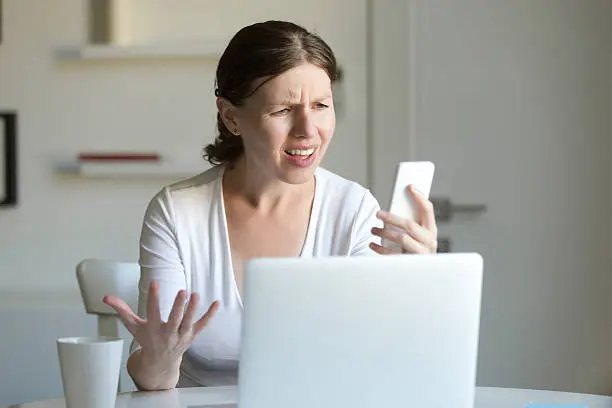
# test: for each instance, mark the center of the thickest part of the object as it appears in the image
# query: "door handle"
(8, 143)
(445, 209)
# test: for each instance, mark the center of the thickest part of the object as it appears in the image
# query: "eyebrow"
(294, 102)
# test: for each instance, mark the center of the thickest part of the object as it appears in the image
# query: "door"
(512, 100)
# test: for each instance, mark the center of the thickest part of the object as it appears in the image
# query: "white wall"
(162, 105)
(64, 108)
(29, 369)
(67, 107)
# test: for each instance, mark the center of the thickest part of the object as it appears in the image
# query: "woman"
(265, 196)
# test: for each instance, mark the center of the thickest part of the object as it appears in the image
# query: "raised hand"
(418, 236)
(163, 341)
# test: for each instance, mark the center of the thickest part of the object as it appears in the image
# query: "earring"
(237, 132)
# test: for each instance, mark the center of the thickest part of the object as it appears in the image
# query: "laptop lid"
(380, 331)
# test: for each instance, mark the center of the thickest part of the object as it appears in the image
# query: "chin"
(294, 170)
(293, 176)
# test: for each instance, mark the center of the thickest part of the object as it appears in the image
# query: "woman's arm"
(150, 373)
(160, 261)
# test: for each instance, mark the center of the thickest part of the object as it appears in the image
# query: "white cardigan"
(184, 245)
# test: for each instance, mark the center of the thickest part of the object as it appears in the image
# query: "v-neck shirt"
(184, 245)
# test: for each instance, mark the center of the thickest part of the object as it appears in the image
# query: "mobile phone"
(418, 173)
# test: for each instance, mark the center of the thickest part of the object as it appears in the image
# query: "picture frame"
(8, 158)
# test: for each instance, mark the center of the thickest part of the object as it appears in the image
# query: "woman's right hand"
(161, 342)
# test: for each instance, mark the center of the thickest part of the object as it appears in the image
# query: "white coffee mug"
(90, 368)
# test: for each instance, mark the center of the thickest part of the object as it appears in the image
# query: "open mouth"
(300, 154)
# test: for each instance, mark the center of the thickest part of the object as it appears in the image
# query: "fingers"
(153, 315)
(408, 243)
(389, 233)
(178, 309)
(418, 232)
(186, 324)
(427, 215)
(412, 236)
(412, 246)
(393, 219)
(130, 319)
(203, 321)
(382, 250)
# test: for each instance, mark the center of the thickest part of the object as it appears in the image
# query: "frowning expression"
(287, 124)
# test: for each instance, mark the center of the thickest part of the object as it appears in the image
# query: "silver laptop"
(380, 331)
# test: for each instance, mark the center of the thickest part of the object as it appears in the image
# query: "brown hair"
(261, 50)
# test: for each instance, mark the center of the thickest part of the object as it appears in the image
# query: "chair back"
(98, 278)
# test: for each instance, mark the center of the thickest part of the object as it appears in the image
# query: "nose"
(304, 126)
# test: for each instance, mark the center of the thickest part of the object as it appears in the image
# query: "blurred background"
(511, 99)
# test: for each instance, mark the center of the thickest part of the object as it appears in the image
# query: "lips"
(302, 156)
(303, 151)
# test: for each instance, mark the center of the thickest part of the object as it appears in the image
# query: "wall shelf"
(189, 49)
(130, 170)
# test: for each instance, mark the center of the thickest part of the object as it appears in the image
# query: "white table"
(219, 396)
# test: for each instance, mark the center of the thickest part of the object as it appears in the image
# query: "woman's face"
(287, 124)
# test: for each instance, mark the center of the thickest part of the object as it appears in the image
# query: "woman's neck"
(259, 190)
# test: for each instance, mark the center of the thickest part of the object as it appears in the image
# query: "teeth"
(296, 152)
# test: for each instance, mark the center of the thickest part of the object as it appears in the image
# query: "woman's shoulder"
(345, 213)
(335, 182)
(200, 187)
(338, 189)
(200, 181)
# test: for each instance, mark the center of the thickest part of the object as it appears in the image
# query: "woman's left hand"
(413, 237)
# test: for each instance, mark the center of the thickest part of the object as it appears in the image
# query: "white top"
(184, 245)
